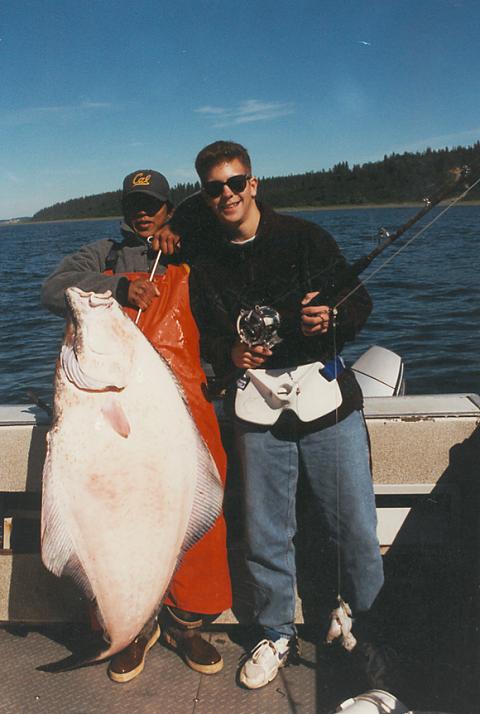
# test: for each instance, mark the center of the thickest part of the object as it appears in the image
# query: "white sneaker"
(264, 662)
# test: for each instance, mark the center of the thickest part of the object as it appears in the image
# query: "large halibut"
(128, 483)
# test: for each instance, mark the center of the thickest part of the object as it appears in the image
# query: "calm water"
(427, 300)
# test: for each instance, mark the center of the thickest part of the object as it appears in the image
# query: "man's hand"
(141, 292)
(245, 357)
(166, 240)
(315, 319)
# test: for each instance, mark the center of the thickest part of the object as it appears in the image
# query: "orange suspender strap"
(170, 327)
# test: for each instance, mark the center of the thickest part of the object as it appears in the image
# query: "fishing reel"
(259, 326)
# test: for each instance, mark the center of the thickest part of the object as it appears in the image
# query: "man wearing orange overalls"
(200, 588)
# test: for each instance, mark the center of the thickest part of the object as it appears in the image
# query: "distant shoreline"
(286, 209)
(354, 206)
(60, 220)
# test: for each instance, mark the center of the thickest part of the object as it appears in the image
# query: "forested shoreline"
(398, 178)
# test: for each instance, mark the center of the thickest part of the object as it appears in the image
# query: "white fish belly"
(116, 507)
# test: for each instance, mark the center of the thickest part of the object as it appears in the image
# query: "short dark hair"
(218, 152)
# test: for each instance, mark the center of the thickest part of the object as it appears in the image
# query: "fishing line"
(406, 244)
(337, 484)
(334, 310)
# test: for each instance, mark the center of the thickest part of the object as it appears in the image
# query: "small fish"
(128, 483)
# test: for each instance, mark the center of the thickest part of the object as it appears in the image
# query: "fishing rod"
(362, 263)
(259, 325)
(341, 622)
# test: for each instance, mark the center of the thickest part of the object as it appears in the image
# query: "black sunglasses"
(237, 184)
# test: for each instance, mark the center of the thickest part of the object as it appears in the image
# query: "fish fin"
(63, 561)
(74, 569)
(57, 547)
(58, 553)
(116, 417)
(208, 499)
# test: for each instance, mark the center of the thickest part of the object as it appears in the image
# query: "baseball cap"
(147, 181)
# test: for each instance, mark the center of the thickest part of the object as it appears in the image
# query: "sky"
(90, 91)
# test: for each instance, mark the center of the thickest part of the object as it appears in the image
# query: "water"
(426, 301)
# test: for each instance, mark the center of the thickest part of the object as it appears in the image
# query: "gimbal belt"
(310, 390)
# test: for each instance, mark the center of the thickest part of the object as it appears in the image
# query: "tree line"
(101, 205)
(398, 178)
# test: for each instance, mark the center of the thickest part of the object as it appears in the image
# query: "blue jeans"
(334, 460)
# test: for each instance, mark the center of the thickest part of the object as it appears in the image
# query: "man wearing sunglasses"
(200, 588)
(257, 258)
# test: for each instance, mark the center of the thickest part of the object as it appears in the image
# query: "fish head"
(98, 351)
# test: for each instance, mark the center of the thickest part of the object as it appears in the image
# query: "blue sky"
(91, 91)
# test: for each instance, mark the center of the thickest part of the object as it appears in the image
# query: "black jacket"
(288, 258)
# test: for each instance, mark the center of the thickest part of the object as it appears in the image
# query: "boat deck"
(166, 685)
(317, 685)
(426, 452)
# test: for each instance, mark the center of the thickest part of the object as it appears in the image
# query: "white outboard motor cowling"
(379, 373)
(377, 701)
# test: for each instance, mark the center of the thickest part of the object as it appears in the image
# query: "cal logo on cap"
(141, 180)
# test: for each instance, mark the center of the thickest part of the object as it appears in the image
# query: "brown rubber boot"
(129, 663)
(180, 633)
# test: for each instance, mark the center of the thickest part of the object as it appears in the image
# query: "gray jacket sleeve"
(84, 270)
